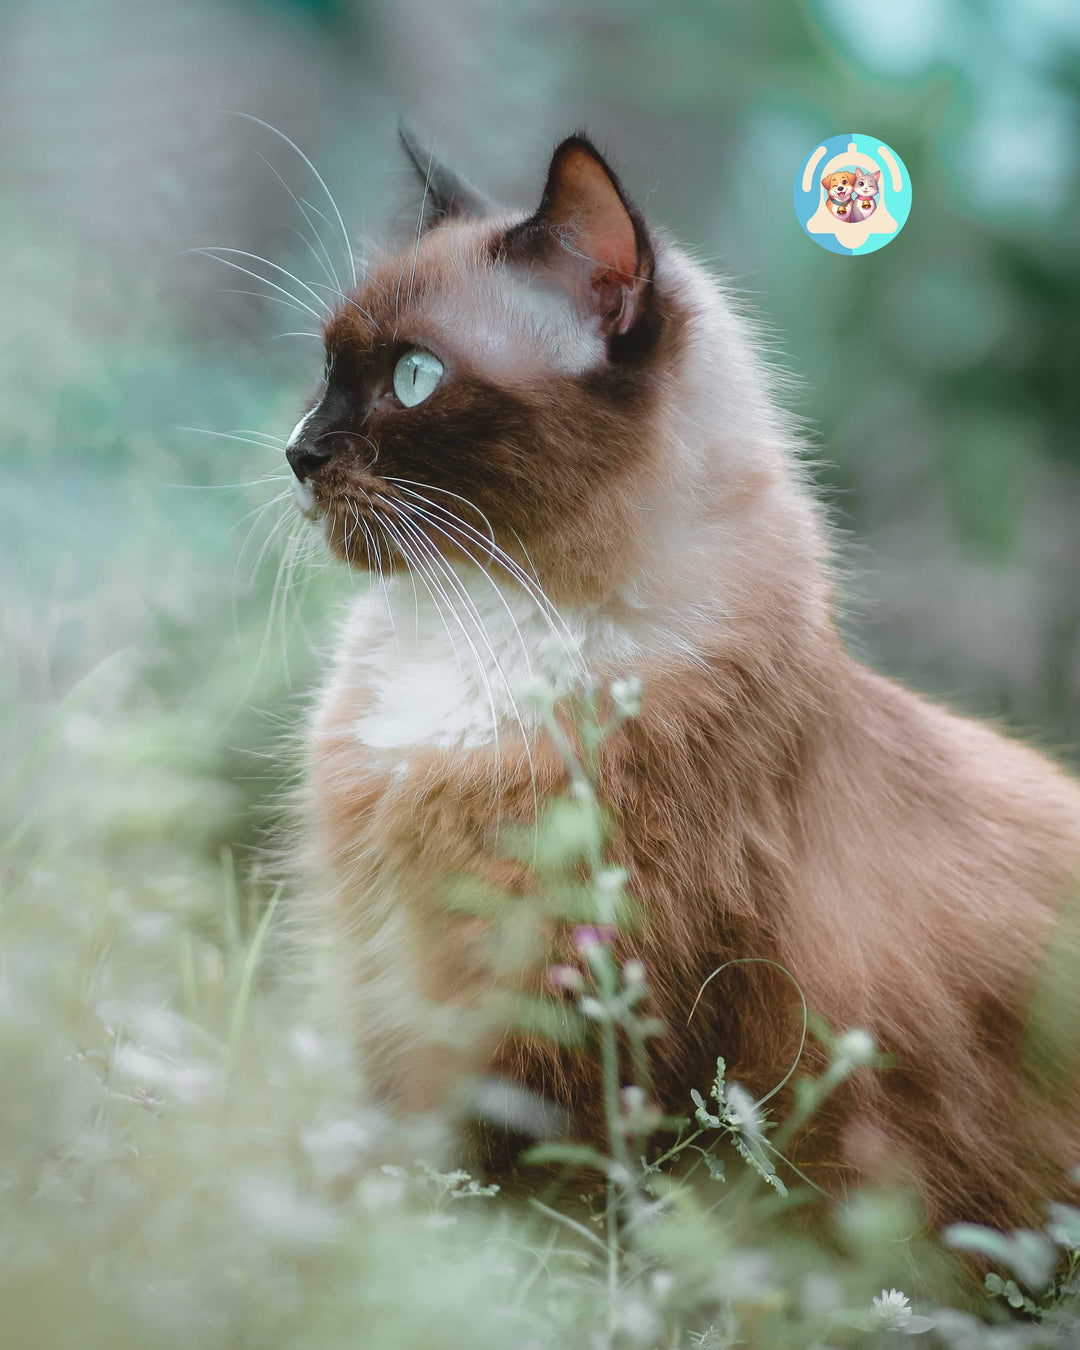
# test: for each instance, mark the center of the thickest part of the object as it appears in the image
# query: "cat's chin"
(350, 527)
(355, 533)
(305, 499)
(381, 537)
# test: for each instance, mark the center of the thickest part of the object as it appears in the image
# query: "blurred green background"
(158, 632)
(125, 602)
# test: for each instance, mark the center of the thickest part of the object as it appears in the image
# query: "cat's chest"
(431, 675)
(431, 694)
(425, 674)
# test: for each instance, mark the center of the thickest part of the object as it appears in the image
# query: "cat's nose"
(303, 453)
(307, 449)
(306, 456)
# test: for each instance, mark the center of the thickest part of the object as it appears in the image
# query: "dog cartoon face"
(839, 186)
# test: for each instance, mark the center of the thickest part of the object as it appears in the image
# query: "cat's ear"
(877, 176)
(446, 196)
(592, 237)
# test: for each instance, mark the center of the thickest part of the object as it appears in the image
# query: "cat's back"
(930, 839)
(963, 772)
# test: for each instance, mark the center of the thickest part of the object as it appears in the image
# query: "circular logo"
(852, 194)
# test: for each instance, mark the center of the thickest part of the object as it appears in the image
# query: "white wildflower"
(560, 658)
(892, 1312)
(743, 1110)
(855, 1048)
(537, 693)
(634, 973)
(626, 696)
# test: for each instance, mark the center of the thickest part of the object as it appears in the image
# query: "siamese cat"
(554, 429)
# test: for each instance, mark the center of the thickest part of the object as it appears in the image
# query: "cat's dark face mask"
(493, 380)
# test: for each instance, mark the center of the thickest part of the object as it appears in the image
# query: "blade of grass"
(247, 981)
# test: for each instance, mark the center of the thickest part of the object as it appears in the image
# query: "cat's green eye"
(416, 375)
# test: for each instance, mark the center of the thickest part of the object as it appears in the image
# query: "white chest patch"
(440, 679)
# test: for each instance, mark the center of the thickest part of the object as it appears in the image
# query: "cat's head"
(501, 369)
(867, 182)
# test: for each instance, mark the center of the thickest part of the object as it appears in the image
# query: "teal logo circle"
(852, 194)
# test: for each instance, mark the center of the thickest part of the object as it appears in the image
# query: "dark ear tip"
(579, 140)
(410, 144)
(446, 195)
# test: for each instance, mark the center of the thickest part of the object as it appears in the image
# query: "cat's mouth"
(324, 495)
(381, 531)
(305, 499)
(372, 531)
(353, 529)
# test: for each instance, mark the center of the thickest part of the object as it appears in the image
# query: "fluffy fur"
(605, 440)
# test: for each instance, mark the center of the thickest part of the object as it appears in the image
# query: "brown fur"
(774, 799)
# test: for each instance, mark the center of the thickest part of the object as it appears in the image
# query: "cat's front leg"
(433, 912)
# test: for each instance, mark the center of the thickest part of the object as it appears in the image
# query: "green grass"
(184, 1160)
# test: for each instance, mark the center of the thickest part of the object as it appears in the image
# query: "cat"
(838, 189)
(864, 191)
(567, 397)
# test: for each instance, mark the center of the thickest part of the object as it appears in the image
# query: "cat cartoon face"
(840, 185)
(867, 182)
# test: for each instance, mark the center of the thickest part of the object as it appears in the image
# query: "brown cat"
(567, 398)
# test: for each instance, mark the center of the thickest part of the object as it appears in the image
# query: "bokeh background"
(159, 631)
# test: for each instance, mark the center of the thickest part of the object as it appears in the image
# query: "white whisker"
(261, 295)
(415, 567)
(318, 179)
(265, 280)
(498, 555)
(234, 436)
(278, 528)
(314, 253)
(225, 487)
(423, 548)
(406, 509)
(481, 628)
(350, 301)
(408, 482)
(213, 251)
(328, 266)
(275, 441)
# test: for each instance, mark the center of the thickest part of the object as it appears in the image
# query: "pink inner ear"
(590, 206)
(595, 224)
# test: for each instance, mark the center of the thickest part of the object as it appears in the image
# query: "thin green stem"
(678, 1147)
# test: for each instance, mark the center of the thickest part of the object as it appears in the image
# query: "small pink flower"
(591, 935)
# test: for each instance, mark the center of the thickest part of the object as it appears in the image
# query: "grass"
(185, 1161)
